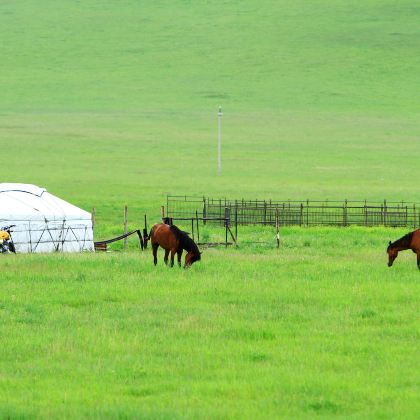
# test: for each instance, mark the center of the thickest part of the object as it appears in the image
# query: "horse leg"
(154, 250)
(418, 259)
(179, 255)
(166, 256)
(173, 251)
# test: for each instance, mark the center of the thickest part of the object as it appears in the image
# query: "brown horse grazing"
(173, 240)
(409, 241)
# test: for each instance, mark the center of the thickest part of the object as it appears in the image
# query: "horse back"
(415, 241)
(163, 236)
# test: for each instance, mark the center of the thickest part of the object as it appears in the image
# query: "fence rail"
(301, 213)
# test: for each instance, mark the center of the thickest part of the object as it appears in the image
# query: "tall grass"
(323, 328)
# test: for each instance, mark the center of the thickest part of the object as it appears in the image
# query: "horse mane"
(185, 241)
(402, 242)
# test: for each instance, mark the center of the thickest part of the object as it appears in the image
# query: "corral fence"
(195, 231)
(296, 213)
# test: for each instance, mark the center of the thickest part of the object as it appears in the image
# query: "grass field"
(107, 104)
(243, 334)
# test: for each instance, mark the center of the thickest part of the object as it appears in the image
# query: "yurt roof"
(26, 202)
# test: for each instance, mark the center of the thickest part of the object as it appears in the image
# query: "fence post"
(301, 214)
(277, 228)
(227, 220)
(125, 227)
(265, 212)
(236, 220)
(345, 213)
(307, 212)
(93, 218)
(198, 230)
(385, 215)
(145, 231)
(285, 221)
(365, 211)
(204, 210)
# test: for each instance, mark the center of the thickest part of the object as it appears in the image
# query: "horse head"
(392, 254)
(191, 258)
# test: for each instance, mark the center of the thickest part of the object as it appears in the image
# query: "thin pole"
(198, 230)
(219, 143)
(236, 219)
(227, 220)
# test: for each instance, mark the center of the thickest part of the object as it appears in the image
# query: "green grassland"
(114, 103)
(320, 327)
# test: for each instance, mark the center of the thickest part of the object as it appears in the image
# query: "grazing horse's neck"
(188, 247)
(402, 243)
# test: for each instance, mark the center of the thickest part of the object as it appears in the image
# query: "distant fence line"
(298, 213)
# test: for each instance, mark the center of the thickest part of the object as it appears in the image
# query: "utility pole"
(219, 144)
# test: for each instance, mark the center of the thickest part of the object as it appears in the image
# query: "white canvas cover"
(44, 222)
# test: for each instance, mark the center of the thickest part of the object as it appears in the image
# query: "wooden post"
(145, 232)
(163, 212)
(93, 217)
(125, 227)
(277, 228)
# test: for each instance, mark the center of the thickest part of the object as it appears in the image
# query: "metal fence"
(300, 213)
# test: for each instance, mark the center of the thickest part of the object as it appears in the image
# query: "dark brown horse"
(173, 240)
(409, 241)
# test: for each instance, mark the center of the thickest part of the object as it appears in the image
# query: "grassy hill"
(108, 104)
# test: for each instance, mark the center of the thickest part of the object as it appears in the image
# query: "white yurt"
(43, 222)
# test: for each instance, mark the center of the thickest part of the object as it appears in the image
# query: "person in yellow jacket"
(4, 236)
(6, 242)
